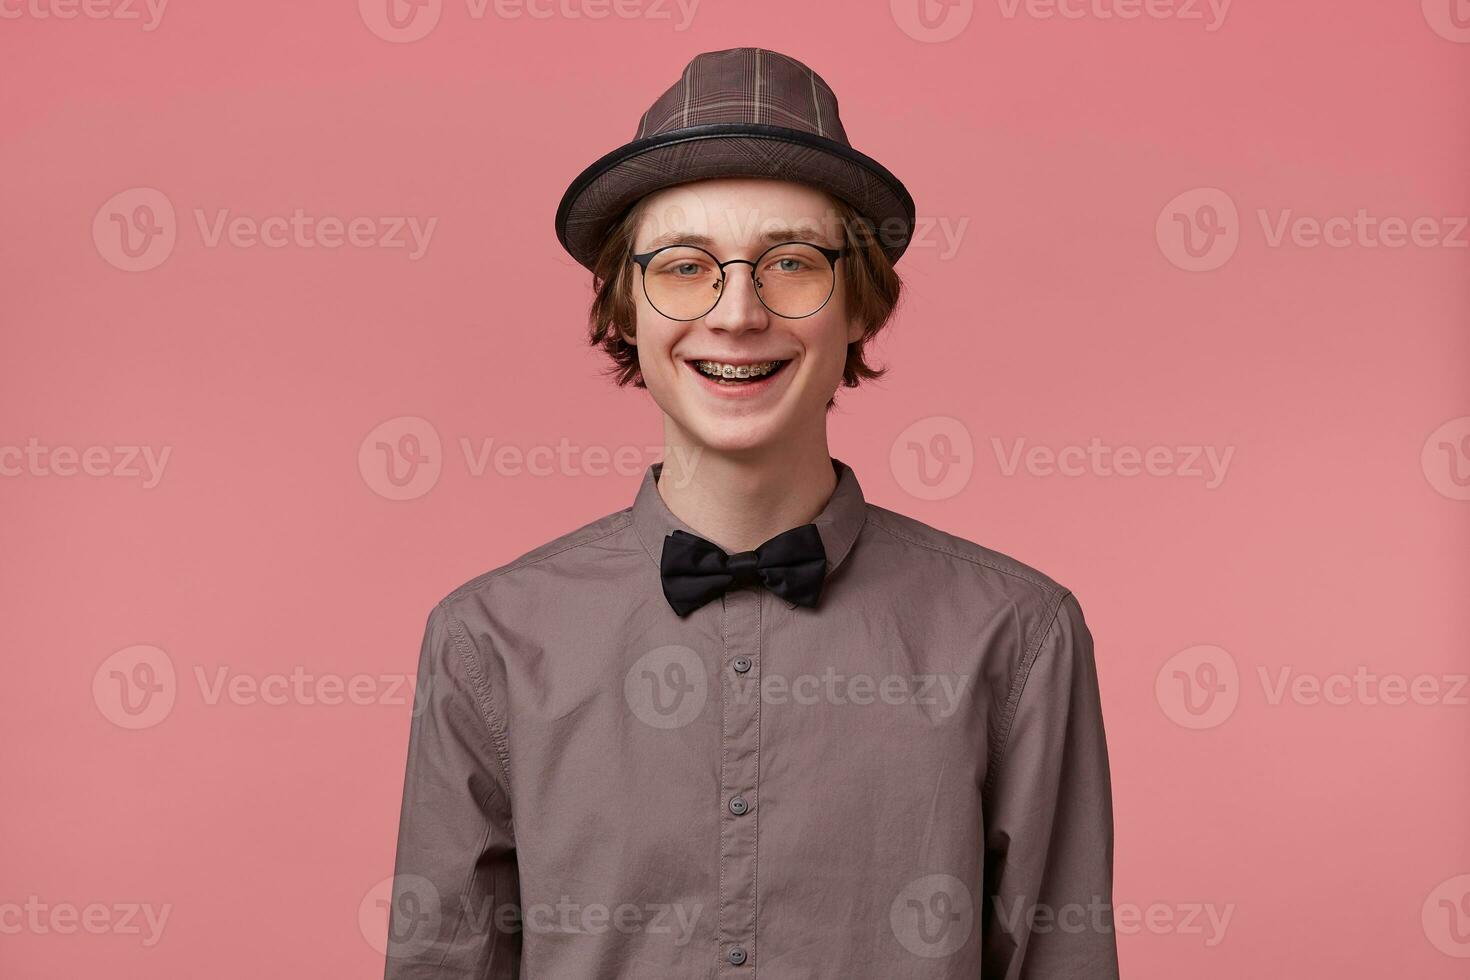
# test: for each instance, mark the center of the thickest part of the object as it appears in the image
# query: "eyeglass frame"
(830, 254)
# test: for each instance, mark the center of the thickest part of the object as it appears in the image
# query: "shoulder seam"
(488, 715)
(1013, 698)
(479, 580)
(1044, 586)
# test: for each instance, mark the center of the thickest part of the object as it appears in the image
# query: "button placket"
(739, 773)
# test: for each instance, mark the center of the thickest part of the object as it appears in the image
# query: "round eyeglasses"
(792, 279)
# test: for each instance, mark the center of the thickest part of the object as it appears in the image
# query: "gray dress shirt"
(909, 780)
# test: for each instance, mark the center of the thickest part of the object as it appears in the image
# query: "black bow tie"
(694, 571)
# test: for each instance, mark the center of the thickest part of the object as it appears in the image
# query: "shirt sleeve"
(453, 914)
(1049, 819)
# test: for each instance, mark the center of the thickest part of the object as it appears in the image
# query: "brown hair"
(870, 285)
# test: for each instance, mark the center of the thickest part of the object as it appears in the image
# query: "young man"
(752, 725)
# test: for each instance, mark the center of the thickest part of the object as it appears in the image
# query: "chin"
(735, 435)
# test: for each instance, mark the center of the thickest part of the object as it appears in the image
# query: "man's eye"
(682, 270)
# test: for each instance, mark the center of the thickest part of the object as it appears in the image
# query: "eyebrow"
(772, 236)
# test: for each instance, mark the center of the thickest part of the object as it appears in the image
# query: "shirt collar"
(838, 523)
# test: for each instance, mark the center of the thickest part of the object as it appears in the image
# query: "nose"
(739, 308)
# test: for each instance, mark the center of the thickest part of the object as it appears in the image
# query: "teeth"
(717, 369)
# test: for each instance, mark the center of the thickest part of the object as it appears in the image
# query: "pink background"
(1331, 834)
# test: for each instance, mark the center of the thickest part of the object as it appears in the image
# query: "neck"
(741, 500)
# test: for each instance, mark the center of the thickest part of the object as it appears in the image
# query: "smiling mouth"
(738, 374)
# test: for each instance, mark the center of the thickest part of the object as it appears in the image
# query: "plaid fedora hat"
(741, 112)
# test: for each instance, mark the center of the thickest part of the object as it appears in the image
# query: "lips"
(736, 377)
(737, 371)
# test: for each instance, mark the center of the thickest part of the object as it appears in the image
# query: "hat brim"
(604, 191)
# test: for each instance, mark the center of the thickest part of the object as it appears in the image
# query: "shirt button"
(741, 664)
(737, 955)
(738, 806)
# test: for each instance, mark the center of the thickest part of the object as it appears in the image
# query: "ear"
(627, 337)
(854, 331)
